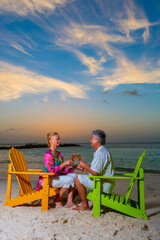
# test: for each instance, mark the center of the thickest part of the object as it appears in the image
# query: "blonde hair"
(49, 135)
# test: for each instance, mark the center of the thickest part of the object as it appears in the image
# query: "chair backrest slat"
(135, 174)
(19, 165)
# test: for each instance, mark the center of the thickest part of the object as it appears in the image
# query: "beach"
(29, 222)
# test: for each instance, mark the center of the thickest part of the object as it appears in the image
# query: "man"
(101, 164)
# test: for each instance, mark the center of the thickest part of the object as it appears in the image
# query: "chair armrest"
(33, 173)
(113, 177)
(123, 174)
(35, 170)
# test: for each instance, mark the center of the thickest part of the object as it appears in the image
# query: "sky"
(72, 66)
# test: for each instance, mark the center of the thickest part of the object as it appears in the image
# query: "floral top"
(52, 164)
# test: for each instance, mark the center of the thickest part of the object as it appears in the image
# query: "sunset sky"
(72, 66)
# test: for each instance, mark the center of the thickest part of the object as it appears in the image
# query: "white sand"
(28, 222)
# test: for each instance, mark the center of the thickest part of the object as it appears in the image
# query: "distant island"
(36, 145)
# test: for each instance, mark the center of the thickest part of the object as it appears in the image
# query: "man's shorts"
(88, 183)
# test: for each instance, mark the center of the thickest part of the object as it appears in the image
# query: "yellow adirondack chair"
(27, 194)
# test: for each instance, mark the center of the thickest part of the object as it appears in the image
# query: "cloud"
(124, 71)
(127, 72)
(105, 102)
(93, 65)
(20, 48)
(134, 20)
(45, 99)
(10, 130)
(25, 7)
(105, 92)
(78, 35)
(17, 81)
(13, 130)
(146, 34)
(132, 93)
(74, 36)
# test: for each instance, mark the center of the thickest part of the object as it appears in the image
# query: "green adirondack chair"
(120, 203)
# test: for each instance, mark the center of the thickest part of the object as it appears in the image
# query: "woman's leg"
(57, 200)
(64, 182)
(70, 202)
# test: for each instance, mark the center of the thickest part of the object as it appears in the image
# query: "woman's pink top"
(52, 164)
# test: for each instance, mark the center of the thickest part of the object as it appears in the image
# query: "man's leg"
(82, 192)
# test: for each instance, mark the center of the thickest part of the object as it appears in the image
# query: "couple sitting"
(67, 180)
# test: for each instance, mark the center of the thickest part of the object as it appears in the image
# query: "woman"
(64, 177)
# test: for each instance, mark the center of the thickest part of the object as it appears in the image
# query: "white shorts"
(88, 183)
(64, 180)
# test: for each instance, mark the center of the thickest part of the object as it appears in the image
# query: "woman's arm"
(49, 161)
(68, 162)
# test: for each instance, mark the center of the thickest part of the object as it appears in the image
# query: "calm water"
(125, 155)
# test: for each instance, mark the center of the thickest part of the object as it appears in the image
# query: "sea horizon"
(125, 155)
(72, 142)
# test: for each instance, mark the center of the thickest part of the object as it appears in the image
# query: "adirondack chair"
(27, 194)
(120, 203)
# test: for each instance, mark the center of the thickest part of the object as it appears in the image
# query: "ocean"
(125, 155)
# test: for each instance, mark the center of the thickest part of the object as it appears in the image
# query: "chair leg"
(97, 198)
(45, 197)
(141, 198)
(9, 183)
(141, 191)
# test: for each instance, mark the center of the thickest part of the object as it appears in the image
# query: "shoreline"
(4, 165)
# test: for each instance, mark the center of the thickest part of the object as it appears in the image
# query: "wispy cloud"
(25, 7)
(17, 81)
(124, 71)
(78, 35)
(135, 19)
(127, 72)
(93, 65)
(74, 36)
(20, 48)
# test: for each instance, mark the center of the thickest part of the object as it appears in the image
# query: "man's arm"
(87, 167)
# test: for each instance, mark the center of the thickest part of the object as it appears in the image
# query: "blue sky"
(73, 66)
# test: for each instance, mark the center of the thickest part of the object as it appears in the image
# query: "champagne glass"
(76, 158)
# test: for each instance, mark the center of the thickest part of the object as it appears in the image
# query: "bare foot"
(59, 204)
(81, 208)
(68, 205)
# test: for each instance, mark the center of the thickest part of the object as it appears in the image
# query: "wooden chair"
(120, 203)
(27, 194)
